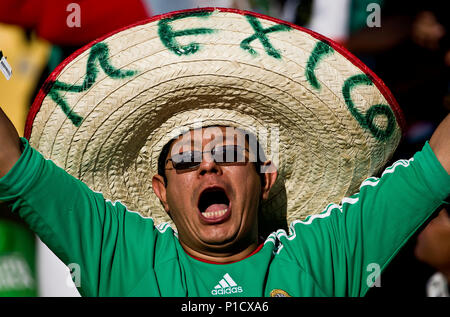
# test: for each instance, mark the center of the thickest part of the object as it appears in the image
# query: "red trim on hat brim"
(339, 48)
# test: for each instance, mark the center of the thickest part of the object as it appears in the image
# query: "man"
(191, 86)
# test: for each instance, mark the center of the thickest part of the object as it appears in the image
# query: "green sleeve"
(345, 246)
(81, 227)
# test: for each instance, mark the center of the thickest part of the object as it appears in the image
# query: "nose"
(208, 165)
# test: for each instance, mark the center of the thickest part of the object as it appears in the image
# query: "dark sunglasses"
(223, 155)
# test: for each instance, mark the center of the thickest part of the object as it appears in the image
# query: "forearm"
(10, 145)
(440, 143)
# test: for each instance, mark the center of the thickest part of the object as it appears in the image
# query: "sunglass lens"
(229, 154)
(186, 160)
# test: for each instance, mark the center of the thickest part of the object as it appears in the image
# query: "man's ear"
(160, 190)
(269, 174)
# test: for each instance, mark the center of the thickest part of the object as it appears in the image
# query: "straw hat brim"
(106, 112)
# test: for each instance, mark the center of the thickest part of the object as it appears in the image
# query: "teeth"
(214, 214)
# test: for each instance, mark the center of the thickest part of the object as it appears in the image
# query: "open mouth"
(214, 204)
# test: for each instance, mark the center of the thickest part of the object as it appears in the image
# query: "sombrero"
(326, 120)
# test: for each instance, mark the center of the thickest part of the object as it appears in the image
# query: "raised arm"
(10, 145)
(440, 143)
(76, 223)
(358, 238)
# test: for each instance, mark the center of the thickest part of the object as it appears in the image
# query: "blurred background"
(406, 43)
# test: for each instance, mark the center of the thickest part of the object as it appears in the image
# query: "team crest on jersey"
(279, 293)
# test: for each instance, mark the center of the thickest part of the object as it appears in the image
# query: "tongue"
(216, 207)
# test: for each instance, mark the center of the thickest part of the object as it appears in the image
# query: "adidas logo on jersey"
(226, 286)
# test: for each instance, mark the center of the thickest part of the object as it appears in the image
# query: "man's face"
(214, 206)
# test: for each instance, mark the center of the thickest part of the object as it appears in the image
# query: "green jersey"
(338, 252)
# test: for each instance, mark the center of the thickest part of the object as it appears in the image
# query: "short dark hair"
(250, 138)
(162, 160)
